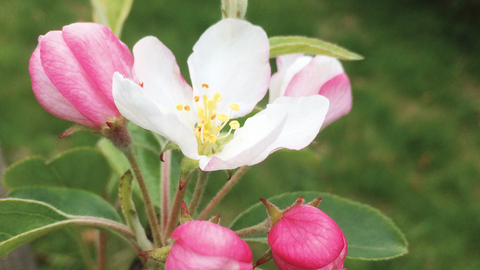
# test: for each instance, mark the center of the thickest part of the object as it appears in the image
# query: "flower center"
(210, 123)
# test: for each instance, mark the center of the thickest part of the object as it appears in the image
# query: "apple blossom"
(203, 245)
(305, 238)
(230, 74)
(300, 75)
(72, 69)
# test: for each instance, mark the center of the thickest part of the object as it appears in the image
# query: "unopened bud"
(234, 9)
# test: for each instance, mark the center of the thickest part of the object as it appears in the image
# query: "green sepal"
(274, 214)
(158, 255)
(76, 128)
(184, 214)
(295, 44)
(169, 146)
(215, 219)
(187, 167)
(315, 202)
(265, 258)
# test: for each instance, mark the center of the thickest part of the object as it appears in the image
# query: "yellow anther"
(211, 105)
(179, 107)
(217, 97)
(213, 138)
(218, 128)
(222, 117)
(187, 108)
(234, 124)
(213, 115)
(234, 106)
(205, 85)
(199, 111)
(196, 98)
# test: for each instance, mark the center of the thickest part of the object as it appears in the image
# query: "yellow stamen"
(234, 106)
(222, 117)
(213, 115)
(234, 124)
(217, 97)
(196, 98)
(205, 85)
(199, 111)
(187, 108)
(213, 138)
(179, 107)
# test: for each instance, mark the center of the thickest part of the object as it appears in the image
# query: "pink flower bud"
(299, 75)
(72, 71)
(306, 238)
(203, 245)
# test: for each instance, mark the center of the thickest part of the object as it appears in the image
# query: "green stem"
(84, 251)
(198, 193)
(259, 228)
(174, 214)
(165, 190)
(222, 192)
(146, 196)
(121, 138)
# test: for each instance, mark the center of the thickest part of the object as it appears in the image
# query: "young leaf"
(111, 13)
(370, 234)
(296, 44)
(83, 168)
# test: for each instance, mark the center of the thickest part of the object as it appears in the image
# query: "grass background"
(410, 146)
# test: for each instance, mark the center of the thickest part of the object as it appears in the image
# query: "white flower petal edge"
(140, 108)
(156, 68)
(304, 120)
(249, 141)
(232, 58)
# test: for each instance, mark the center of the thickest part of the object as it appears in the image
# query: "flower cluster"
(86, 75)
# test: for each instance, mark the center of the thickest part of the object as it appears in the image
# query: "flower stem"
(121, 138)
(165, 189)
(173, 218)
(84, 251)
(199, 188)
(222, 192)
(130, 153)
(101, 250)
(259, 228)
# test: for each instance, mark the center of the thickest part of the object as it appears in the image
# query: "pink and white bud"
(72, 70)
(300, 75)
(306, 238)
(203, 245)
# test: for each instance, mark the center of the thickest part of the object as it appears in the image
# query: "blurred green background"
(410, 146)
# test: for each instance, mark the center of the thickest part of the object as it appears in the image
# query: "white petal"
(137, 106)
(310, 79)
(254, 138)
(155, 66)
(304, 120)
(287, 65)
(232, 57)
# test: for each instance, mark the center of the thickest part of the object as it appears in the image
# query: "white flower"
(230, 74)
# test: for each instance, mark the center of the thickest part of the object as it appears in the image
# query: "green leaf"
(296, 44)
(70, 201)
(83, 168)
(111, 13)
(129, 211)
(117, 160)
(370, 234)
(23, 221)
